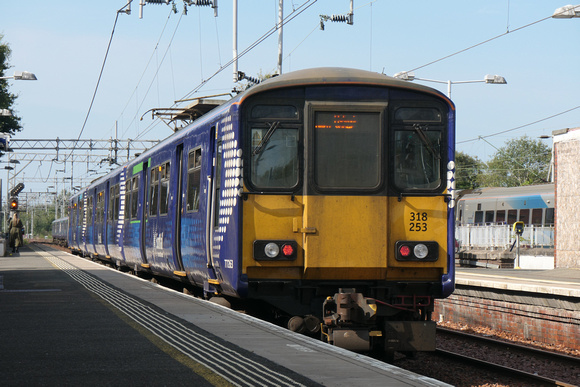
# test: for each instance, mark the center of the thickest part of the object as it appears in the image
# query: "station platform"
(65, 320)
(538, 305)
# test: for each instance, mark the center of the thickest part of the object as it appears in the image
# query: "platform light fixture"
(22, 76)
(489, 79)
(567, 12)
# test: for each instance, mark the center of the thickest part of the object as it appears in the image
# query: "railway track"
(516, 361)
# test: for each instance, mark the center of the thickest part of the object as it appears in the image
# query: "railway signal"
(14, 204)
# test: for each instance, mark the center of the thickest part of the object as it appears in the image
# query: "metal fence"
(502, 236)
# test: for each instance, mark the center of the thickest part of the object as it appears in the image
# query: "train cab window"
(525, 216)
(417, 147)
(418, 114)
(347, 150)
(274, 156)
(537, 216)
(549, 218)
(193, 180)
(512, 216)
(500, 217)
(134, 197)
(164, 175)
(489, 216)
(274, 111)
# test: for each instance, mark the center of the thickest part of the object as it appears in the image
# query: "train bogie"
(308, 183)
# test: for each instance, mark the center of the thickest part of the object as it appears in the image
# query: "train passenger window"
(111, 212)
(549, 216)
(117, 201)
(347, 150)
(274, 157)
(478, 217)
(274, 111)
(415, 114)
(154, 191)
(164, 188)
(537, 216)
(100, 207)
(512, 216)
(525, 216)
(90, 210)
(417, 159)
(193, 180)
(128, 187)
(489, 216)
(500, 217)
(134, 197)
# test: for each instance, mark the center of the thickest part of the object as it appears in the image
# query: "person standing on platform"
(15, 225)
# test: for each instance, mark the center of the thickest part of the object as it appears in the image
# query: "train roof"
(337, 75)
(489, 192)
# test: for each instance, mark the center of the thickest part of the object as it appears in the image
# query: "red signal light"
(14, 204)
(287, 250)
(405, 251)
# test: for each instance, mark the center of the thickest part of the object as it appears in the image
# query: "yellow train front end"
(347, 206)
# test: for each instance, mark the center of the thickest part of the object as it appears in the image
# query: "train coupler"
(348, 320)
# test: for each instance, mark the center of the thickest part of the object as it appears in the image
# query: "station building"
(567, 185)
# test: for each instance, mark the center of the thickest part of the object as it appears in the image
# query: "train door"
(142, 212)
(345, 168)
(178, 209)
(213, 206)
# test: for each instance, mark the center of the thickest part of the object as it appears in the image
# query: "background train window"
(274, 157)
(489, 216)
(417, 156)
(416, 114)
(347, 150)
(537, 216)
(549, 216)
(153, 191)
(193, 180)
(525, 216)
(478, 219)
(135, 197)
(500, 217)
(275, 111)
(164, 176)
(512, 216)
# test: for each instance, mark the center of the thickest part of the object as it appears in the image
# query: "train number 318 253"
(418, 221)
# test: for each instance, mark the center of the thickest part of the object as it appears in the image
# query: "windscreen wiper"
(421, 133)
(266, 138)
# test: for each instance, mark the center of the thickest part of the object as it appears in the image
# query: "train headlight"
(420, 251)
(425, 251)
(269, 250)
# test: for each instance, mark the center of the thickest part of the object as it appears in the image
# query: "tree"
(467, 169)
(522, 161)
(10, 124)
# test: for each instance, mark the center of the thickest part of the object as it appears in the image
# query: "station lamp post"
(567, 12)
(489, 79)
(22, 76)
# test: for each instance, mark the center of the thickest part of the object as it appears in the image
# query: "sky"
(166, 56)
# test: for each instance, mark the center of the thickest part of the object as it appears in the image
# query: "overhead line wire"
(519, 127)
(99, 79)
(481, 43)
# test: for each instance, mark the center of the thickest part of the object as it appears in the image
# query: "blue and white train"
(325, 193)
